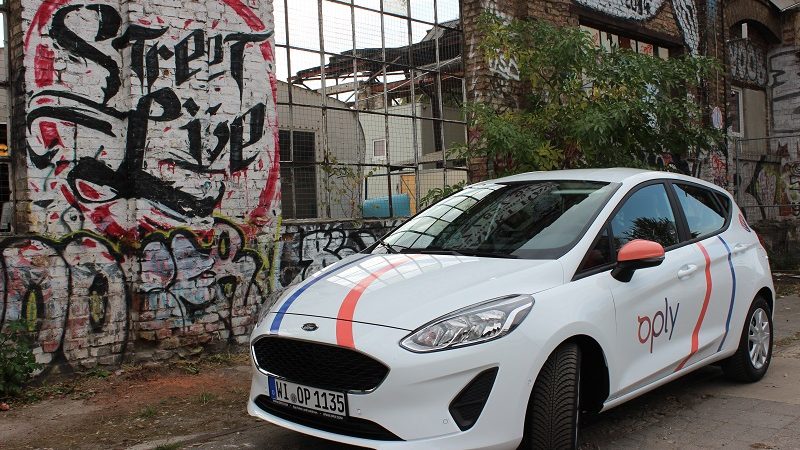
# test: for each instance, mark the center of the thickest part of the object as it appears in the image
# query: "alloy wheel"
(759, 335)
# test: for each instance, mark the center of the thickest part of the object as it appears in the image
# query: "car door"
(705, 218)
(655, 309)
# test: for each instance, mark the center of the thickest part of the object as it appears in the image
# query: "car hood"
(408, 290)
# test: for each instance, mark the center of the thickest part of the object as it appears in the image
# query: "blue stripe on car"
(276, 323)
(733, 292)
(272, 392)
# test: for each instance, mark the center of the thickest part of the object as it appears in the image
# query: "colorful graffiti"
(76, 295)
(71, 294)
(186, 130)
(146, 124)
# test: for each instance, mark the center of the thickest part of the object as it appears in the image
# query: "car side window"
(647, 214)
(600, 253)
(704, 214)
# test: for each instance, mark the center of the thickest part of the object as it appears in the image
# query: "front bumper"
(412, 403)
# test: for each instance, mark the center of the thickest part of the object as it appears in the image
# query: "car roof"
(624, 175)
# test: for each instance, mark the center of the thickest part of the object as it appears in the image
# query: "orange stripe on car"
(696, 333)
(344, 320)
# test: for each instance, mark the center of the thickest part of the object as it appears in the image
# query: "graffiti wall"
(309, 247)
(153, 195)
(747, 62)
(784, 81)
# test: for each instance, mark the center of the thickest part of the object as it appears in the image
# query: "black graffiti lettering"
(215, 48)
(70, 115)
(139, 120)
(256, 116)
(240, 41)
(223, 135)
(183, 57)
(110, 22)
(137, 36)
(43, 160)
(193, 129)
(150, 50)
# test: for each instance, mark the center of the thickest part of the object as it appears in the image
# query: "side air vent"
(469, 403)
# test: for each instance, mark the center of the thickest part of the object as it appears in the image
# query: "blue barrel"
(379, 206)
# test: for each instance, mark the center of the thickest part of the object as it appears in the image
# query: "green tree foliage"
(587, 107)
(17, 362)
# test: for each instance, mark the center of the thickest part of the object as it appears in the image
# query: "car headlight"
(472, 325)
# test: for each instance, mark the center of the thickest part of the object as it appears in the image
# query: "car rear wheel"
(752, 358)
(553, 410)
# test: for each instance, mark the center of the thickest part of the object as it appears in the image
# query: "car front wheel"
(553, 410)
(752, 358)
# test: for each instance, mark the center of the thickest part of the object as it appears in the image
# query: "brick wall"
(147, 187)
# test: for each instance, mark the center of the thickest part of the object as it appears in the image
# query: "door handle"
(686, 271)
(740, 248)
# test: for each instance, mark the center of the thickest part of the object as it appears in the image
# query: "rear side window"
(704, 214)
(647, 214)
(725, 202)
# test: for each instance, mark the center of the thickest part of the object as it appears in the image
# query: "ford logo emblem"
(310, 327)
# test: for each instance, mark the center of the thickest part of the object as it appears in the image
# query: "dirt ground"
(132, 406)
(201, 403)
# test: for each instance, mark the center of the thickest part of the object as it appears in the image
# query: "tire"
(741, 366)
(554, 407)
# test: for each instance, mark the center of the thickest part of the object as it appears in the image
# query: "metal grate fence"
(371, 96)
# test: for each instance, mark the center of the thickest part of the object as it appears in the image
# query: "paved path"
(702, 410)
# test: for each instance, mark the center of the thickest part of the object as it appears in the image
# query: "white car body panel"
(414, 287)
(389, 295)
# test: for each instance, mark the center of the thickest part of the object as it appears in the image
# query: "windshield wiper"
(459, 252)
(484, 253)
(387, 246)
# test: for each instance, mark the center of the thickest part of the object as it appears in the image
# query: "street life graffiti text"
(197, 119)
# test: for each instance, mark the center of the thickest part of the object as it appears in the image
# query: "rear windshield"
(532, 220)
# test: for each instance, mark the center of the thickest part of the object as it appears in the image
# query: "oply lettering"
(662, 323)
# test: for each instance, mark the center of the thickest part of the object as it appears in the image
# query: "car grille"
(348, 426)
(469, 403)
(318, 365)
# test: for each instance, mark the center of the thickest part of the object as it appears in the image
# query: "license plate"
(309, 399)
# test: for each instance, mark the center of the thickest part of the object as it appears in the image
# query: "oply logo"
(661, 323)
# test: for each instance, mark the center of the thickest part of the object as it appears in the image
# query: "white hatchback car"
(492, 318)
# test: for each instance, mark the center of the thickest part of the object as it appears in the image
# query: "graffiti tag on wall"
(503, 66)
(315, 247)
(74, 294)
(748, 62)
(784, 81)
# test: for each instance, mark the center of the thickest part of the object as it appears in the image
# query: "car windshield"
(531, 220)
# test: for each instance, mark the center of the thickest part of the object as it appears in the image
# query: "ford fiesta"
(494, 317)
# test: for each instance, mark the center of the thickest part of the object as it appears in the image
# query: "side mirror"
(637, 254)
